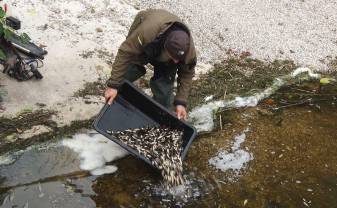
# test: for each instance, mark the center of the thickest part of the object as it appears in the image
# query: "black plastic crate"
(134, 109)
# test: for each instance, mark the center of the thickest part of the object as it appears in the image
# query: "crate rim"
(126, 147)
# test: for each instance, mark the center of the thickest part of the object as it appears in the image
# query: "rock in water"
(161, 145)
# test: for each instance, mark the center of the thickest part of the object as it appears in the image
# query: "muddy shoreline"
(12, 140)
(239, 74)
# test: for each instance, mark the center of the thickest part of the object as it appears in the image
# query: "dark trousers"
(161, 83)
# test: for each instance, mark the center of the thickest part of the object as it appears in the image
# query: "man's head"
(177, 44)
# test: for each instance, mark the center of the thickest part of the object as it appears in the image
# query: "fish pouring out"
(160, 145)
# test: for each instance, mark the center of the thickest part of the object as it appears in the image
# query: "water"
(45, 176)
(235, 159)
(294, 164)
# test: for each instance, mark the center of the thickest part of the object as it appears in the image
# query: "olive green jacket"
(147, 26)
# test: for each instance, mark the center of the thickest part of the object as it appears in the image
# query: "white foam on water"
(178, 190)
(239, 140)
(234, 160)
(208, 98)
(6, 159)
(104, 170)
(231, 161)
(95, 151)
(301, 70)
(202, 116)
(190, 190)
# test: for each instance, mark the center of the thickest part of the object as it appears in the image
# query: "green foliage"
(24, 38)
(2, 55)
(2, 13)
(326, 80)
(7, 31)
(2, 19)
(26, 110)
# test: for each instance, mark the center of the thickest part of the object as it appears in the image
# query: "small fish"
(5, 200)
(162, 146)
(40, 188)
(11, 196)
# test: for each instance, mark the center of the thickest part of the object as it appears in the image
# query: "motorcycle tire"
(37, 74)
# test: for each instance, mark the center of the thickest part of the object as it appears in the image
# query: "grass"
(237, 75)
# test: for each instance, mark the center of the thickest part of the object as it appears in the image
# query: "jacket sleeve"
(127, 52)
(184, 81)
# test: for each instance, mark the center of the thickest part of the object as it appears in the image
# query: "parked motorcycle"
(19, 57)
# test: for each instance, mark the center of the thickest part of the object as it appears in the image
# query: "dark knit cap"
(177, 43)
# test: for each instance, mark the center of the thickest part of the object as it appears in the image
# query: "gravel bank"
(301, 30)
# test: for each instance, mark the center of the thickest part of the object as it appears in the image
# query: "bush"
(7, 32)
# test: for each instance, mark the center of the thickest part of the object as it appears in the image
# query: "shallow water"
(294, 164)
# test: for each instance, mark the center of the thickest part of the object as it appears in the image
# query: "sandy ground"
(303, 31)
(70, 30)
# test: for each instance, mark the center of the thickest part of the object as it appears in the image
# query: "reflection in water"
(45, 176)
